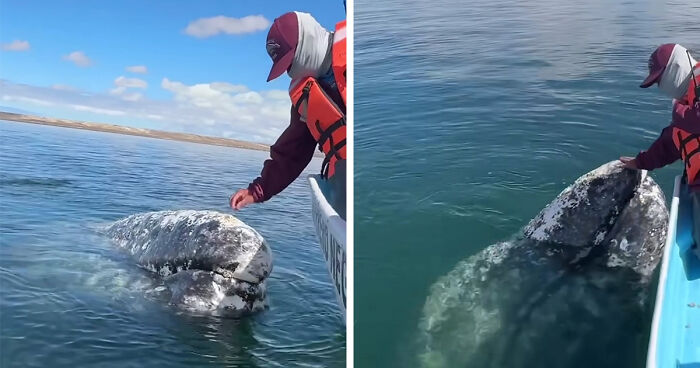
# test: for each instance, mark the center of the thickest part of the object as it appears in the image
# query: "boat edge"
(661, 287)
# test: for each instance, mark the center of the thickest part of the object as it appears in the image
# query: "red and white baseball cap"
(282, 43)
(657, 64)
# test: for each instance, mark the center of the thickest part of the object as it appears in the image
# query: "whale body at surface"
(557, 291)
(209, 261)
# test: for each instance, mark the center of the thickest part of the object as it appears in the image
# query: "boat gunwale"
(652, 354)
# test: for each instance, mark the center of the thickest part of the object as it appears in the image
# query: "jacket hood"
(312, 57)
(677, 76)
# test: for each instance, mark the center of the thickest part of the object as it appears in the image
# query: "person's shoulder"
(293, 83)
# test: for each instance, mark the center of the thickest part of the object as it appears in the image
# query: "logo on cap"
(272, 46)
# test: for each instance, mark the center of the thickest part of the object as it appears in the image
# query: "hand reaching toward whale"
(629, 162)
(241, 199)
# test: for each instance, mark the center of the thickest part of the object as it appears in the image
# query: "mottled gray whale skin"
(577, 273)
(613, 210)
(209, 261)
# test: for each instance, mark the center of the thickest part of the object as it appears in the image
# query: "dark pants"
(337, 183)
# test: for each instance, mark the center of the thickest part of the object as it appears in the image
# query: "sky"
(186, 66)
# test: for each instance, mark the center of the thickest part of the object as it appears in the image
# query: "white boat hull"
(330, 228)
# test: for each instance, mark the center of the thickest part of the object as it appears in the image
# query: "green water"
(469, 119)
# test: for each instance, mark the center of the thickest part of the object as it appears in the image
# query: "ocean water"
(69, 298)
(469, 118)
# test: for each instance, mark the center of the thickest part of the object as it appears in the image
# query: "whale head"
(615, 214)
(584, 212)
(209, 261)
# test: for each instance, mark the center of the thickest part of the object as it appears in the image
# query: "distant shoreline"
(149, 133)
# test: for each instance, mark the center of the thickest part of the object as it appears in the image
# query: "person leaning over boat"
(314, 59)
(677, 74)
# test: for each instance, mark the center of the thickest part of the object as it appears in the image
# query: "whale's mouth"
(173, 267)
(198, 286)
(227, 271)
(601, 237)
(595, 248)
(209, 291)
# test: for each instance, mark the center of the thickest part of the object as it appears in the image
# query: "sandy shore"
(158, 134)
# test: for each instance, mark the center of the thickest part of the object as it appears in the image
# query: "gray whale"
(577, 273)
(209, 261)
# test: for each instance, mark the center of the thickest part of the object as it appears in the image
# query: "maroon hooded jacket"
(663, 151)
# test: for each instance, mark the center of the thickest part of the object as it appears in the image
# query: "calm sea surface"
(469, 118)
(68, 298)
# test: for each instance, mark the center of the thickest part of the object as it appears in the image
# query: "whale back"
(167, 242)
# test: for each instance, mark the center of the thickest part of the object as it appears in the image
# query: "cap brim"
(652, 78)
(281, 65)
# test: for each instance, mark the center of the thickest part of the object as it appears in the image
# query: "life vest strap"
(303, 99)
(328, 133)
(334, 152)
(687, 139)
(690, 155)
(336, 149)
(683, 142)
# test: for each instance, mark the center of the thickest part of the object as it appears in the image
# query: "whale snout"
(612, 177)
(583, 212)
(207, 291)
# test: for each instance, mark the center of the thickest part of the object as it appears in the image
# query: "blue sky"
(193, 66)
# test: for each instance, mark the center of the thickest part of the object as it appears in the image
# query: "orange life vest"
(688, 144)
(324, 118)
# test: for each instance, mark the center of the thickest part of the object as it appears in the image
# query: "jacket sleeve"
(661, 153)
(288, 157)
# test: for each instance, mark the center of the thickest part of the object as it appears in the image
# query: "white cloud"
(260, 114)
(122, 84)
(33, 101)
(228, 87)
(63, 87)
(133, 97)
(226, 102)
(217, 109)
(16, 45)
(117, 90)
(78, 58)
(154, 116)
(97, 110)
(130, 82)
(140, 69)
(207, 27)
